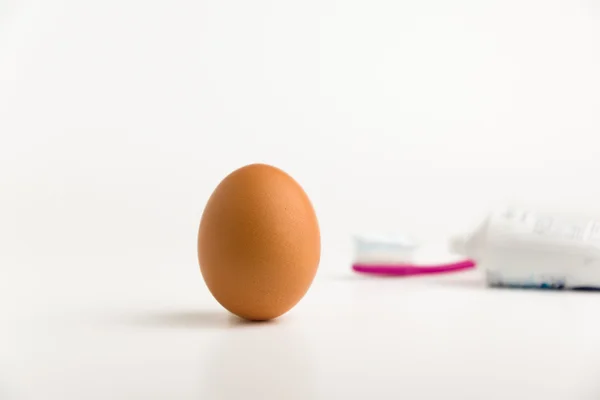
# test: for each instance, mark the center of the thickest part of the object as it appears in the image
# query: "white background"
(118, 119)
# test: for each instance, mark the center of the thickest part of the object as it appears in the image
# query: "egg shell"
(259, 242)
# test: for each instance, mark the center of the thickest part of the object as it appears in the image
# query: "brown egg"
(259, 243)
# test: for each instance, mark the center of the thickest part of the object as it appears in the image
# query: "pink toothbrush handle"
(410, 269)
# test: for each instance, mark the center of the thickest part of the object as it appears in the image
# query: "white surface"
(118, 118)
(351, 337)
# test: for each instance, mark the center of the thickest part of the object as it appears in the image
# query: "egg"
(259, 242)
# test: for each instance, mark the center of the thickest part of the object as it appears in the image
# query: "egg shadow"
(271, 363)
(188, 319)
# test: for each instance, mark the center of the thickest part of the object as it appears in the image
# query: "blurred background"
(118, 119)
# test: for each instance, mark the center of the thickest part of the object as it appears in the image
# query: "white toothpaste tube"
(524, 248)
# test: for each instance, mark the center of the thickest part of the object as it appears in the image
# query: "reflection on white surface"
(258, 362)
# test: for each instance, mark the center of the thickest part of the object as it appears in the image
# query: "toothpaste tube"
(525, 248)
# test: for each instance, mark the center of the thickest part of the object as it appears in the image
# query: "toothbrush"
(394, 255)
(412, 269)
